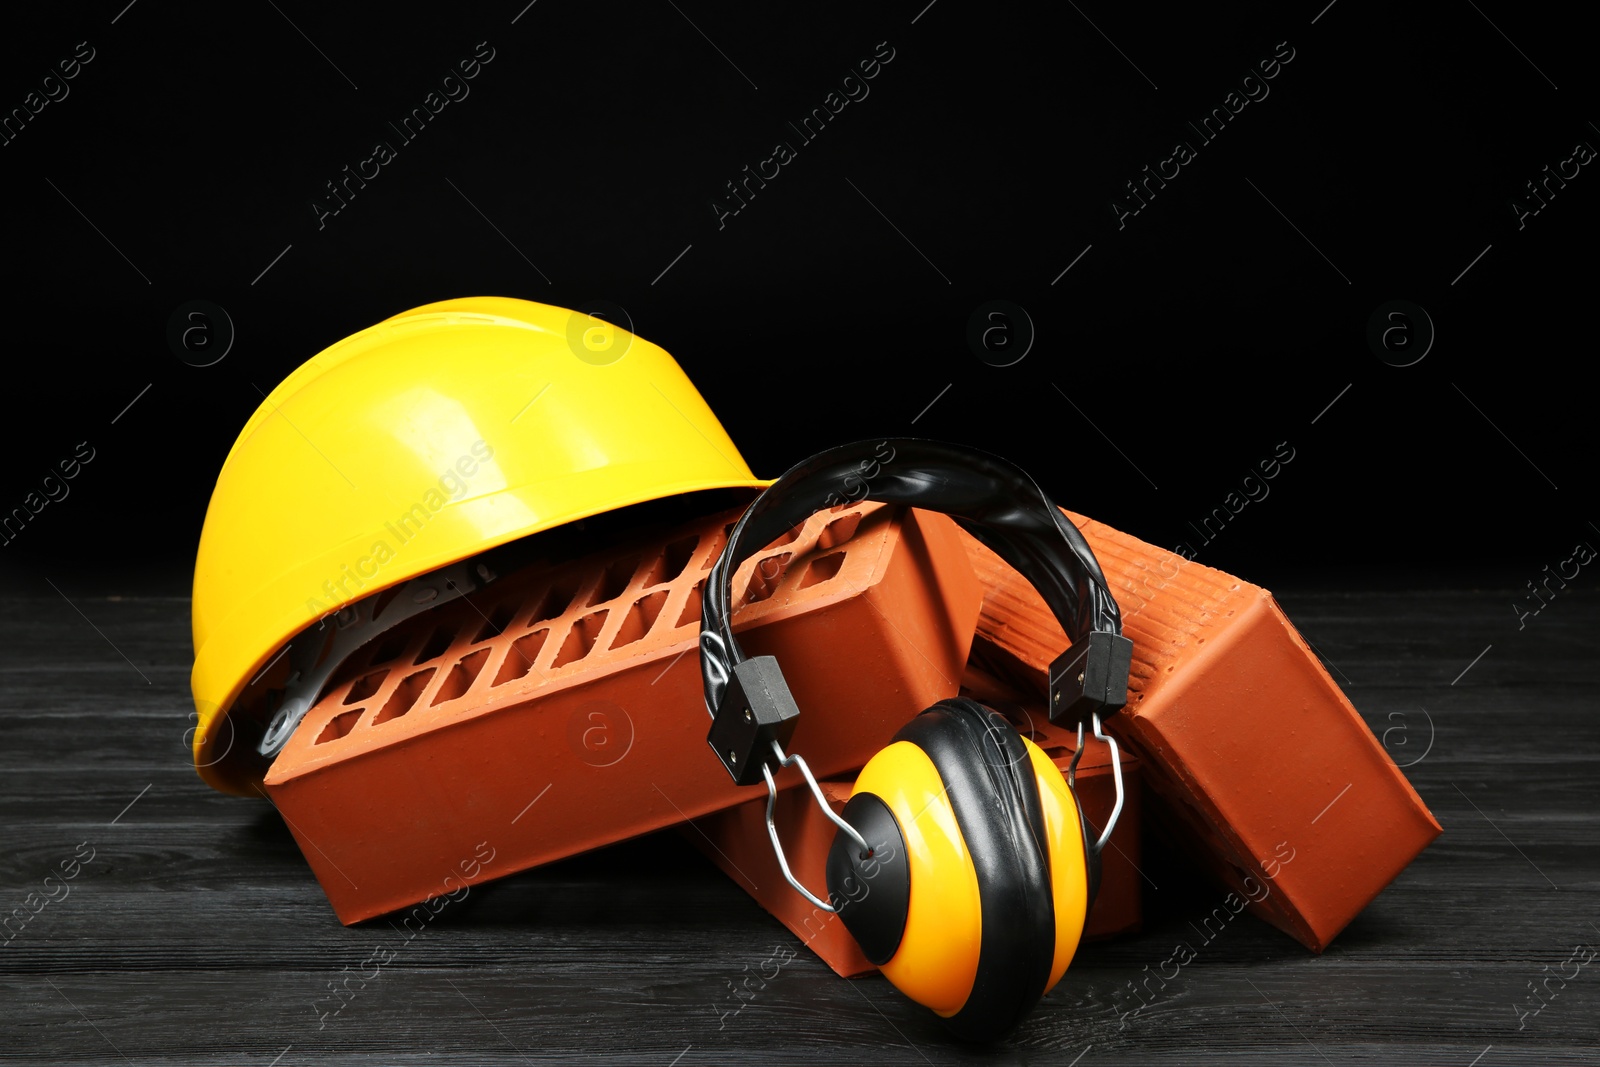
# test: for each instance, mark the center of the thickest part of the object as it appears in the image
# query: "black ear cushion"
(990, 782)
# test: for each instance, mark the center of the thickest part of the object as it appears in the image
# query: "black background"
(1195, 338)
(1174, 355)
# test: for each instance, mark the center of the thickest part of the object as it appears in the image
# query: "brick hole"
(839, 531)
(405, 696)
(437, 642)
(520, 656)
(389, 648)
(672, 560)
(821, 570)
(766, 576)
(640, 619)
(461, 676)
(557, 598)
(339, 726)
(1056, 752)
(690, 616)
(614, 580)
(365, 687)
(499, 619)
(581, 638)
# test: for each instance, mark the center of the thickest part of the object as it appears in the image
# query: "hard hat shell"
(418, 442)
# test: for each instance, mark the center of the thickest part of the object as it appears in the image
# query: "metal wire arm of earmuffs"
(822, 802)
(1116, 777)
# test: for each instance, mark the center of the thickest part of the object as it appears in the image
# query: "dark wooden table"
(196, 933)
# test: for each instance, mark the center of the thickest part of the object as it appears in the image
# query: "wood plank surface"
(196, 934)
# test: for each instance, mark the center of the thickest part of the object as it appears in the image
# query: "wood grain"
(196, 934)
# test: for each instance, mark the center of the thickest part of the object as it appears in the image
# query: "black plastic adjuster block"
(756, 710)
(1090, 677)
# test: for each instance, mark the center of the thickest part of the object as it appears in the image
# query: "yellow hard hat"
(429, 438)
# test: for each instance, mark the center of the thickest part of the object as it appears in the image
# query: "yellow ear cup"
(992, 836)
(938, 955)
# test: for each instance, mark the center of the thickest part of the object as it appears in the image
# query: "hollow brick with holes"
(560, 709)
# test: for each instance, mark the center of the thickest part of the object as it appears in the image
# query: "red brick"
(1247, 742)
(583, 722)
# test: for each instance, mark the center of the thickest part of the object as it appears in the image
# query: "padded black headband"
(992, 499)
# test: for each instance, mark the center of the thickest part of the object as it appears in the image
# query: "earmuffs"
(963, 866)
